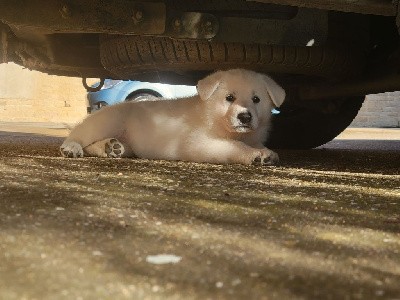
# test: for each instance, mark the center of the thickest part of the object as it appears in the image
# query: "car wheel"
(304, 128)
(142, 97)
(163, 58)
(101, 104)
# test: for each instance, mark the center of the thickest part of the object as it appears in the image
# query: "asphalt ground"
(325, 224)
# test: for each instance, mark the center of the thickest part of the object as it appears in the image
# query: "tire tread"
(128, 55)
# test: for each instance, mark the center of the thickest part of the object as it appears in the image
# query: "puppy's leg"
(112, 148)
(71, 149)
(267, 157)
(106, 123)
(105, 148)
(230, 151)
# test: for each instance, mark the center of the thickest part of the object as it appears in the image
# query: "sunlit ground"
(323, 225)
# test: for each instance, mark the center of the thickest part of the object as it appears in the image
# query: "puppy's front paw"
(265, 157)
(114, 148)
(71, 150)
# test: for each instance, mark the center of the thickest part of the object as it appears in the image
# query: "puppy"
(227, 122)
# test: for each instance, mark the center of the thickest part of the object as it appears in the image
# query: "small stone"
(162, 259)
(236, 282)
(97, 253)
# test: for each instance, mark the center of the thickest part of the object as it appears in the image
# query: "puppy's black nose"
(244, 117)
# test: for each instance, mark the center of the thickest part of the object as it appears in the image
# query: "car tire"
(101, 104)
(130, 56)
(305, 128)
(142, 97)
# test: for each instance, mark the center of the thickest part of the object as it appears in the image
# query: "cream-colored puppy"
(226, 123)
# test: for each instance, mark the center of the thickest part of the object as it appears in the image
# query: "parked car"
(116, 91)
(327, 55)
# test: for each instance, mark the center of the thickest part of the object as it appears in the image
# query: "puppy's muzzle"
(245, 118)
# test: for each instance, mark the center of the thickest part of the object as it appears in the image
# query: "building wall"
(380, 110)
(31, 96)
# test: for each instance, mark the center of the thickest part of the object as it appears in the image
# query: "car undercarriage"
(326, 54)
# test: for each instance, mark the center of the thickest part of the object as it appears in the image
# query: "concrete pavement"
(323, 225)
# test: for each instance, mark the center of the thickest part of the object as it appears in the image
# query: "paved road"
(323, 225)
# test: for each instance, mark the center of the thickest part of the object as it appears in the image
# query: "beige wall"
(380, 110)
(31, 96)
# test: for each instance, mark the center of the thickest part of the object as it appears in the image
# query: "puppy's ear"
(207, 86)
(276, 93)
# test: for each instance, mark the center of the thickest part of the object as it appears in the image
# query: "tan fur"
(203, 128)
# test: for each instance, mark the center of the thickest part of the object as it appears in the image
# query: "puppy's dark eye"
(230, 98)
(255, 99)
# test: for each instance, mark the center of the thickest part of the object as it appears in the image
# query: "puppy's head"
(240, 100)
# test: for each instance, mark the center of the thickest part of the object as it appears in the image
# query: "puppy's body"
(204, 128)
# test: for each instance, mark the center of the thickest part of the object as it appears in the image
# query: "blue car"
(116, 91)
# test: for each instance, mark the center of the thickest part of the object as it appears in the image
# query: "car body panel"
(375, 7)
(115, 92)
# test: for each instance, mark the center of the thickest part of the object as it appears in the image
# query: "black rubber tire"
(304, 128)
(295, 127)
(127, 56)
(137, 97)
